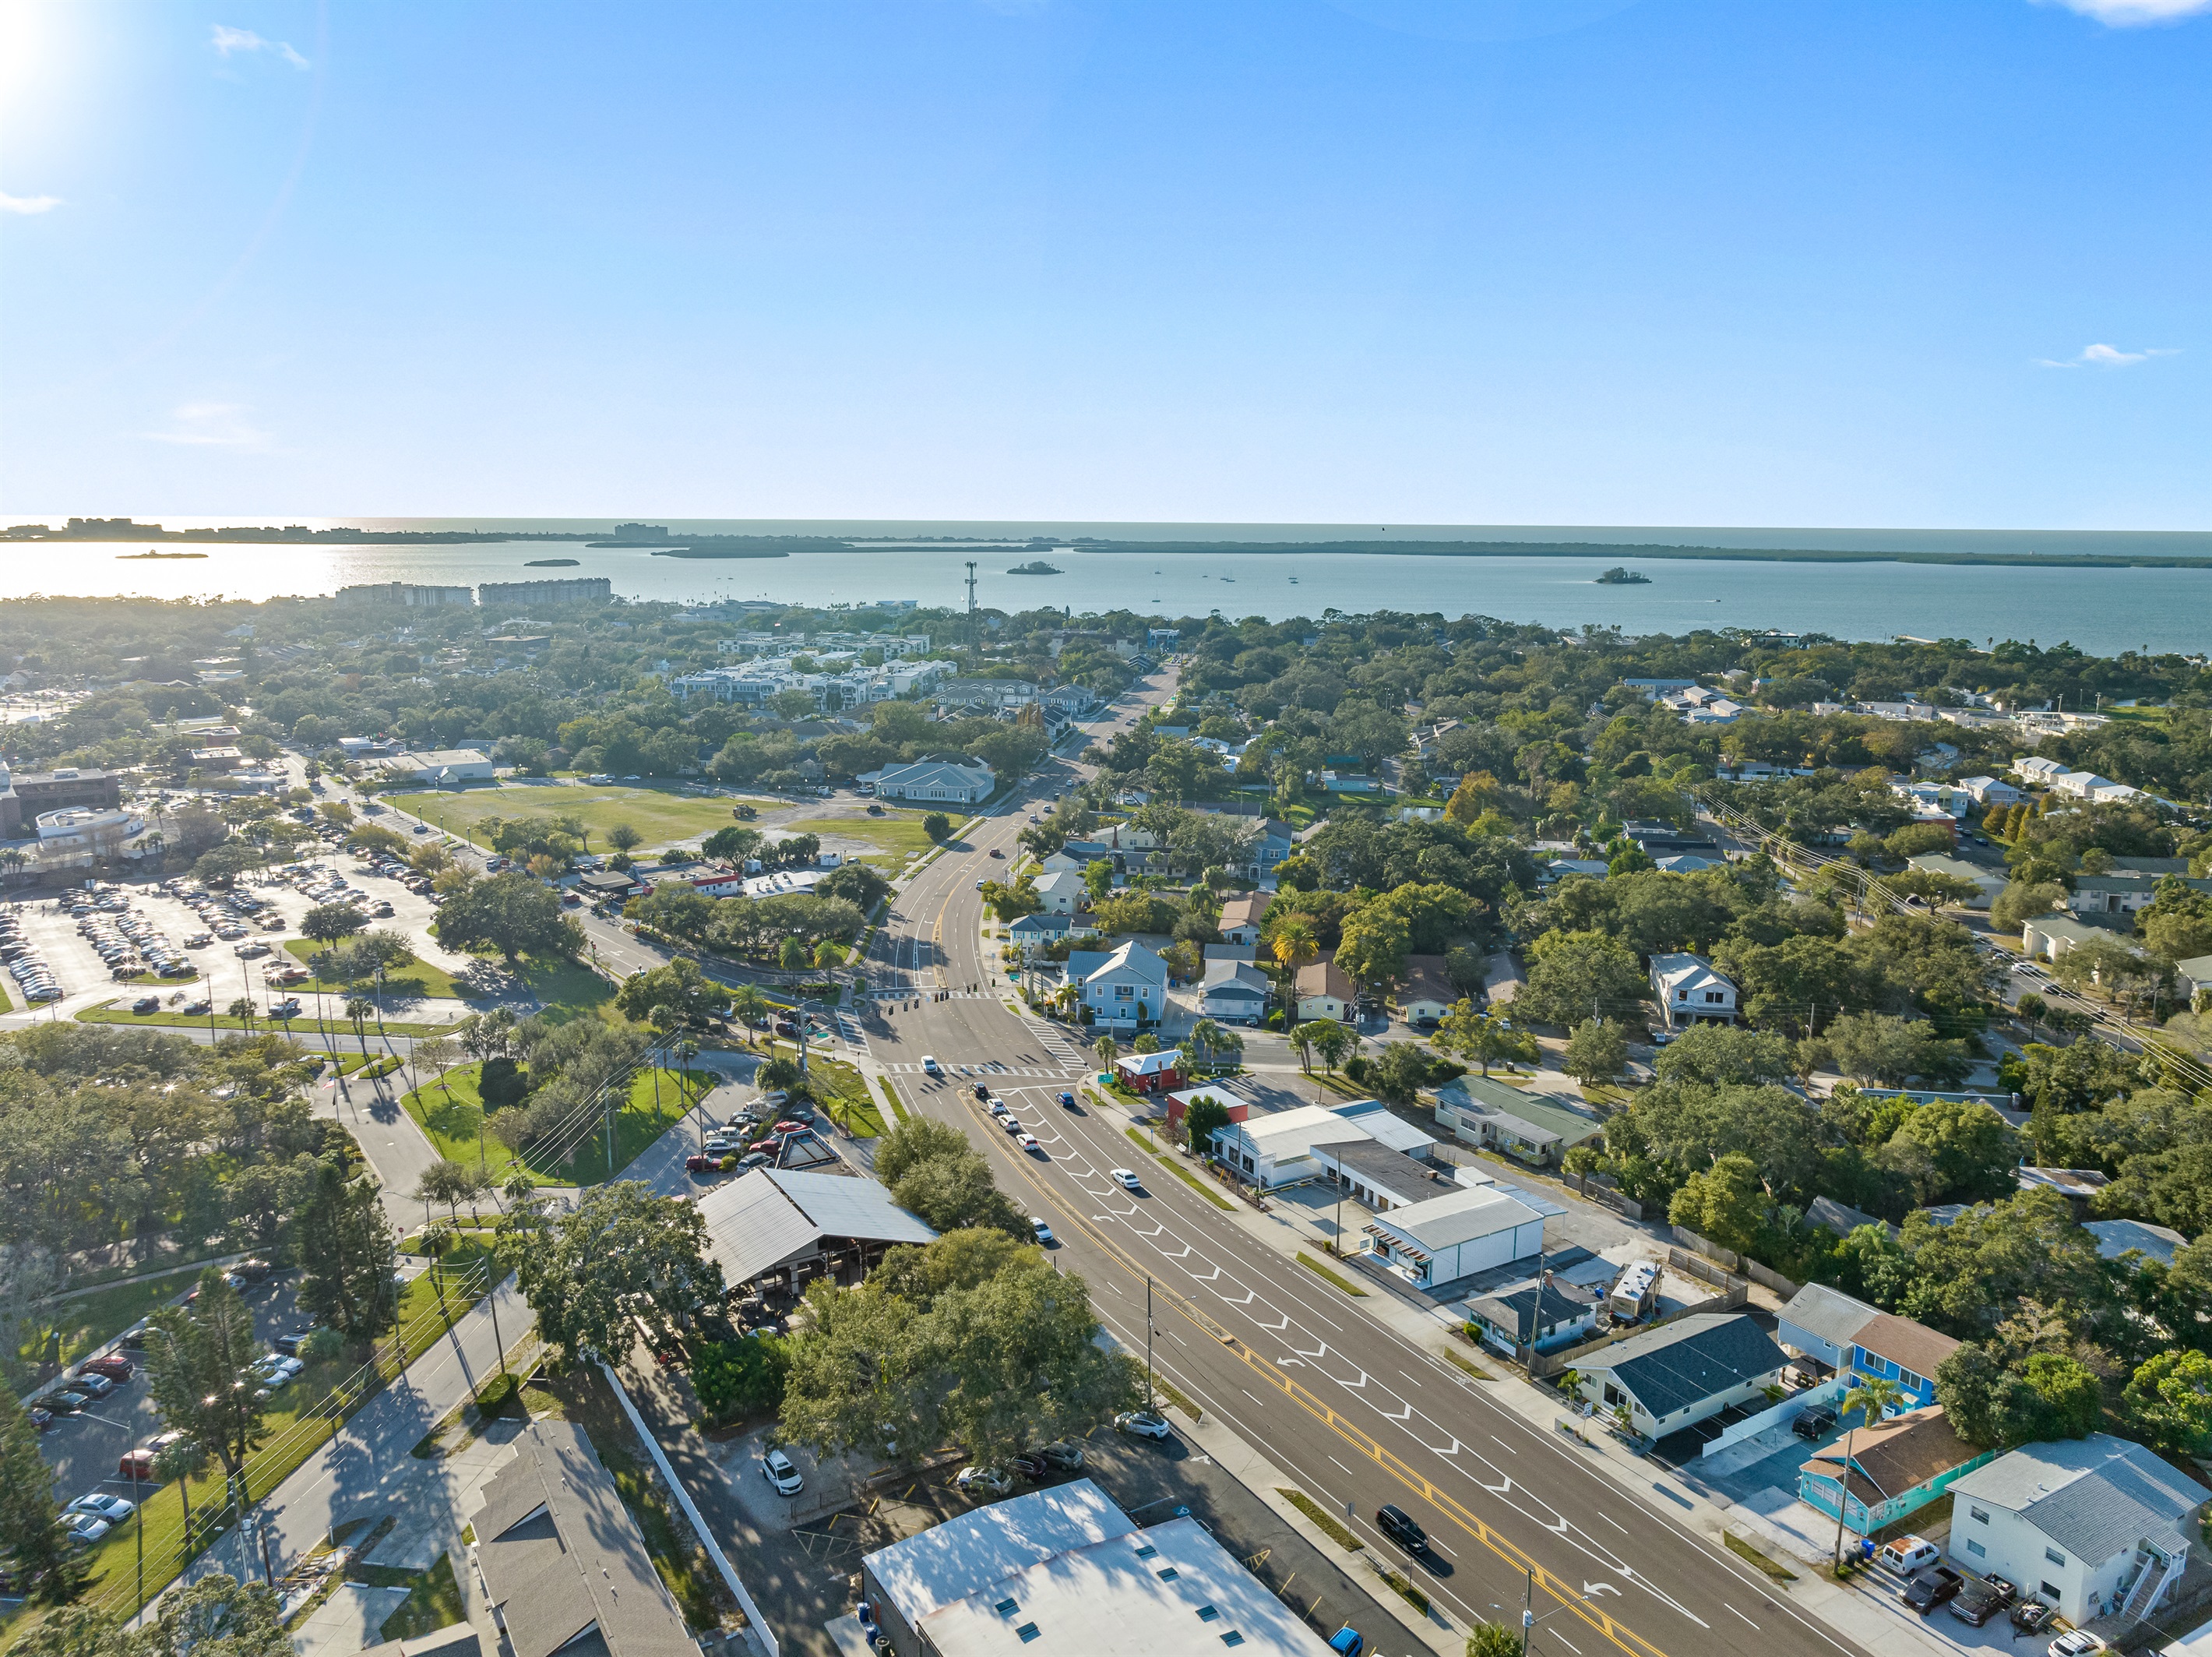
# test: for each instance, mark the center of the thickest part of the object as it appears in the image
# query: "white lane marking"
(1616, 1524)
(1341, 1465)
(1568, 1643)
(1739, 1613)
(1254, 1397)
(1503, 1445)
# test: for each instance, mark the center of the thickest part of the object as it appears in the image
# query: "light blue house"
(1880, 1473)
(1128, 987)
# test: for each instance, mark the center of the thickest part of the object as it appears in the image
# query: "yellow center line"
(1621, 1635)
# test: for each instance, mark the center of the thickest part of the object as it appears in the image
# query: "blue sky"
(1480, 261)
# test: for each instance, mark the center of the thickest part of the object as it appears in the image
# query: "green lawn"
(302, 1028)
(661, 812)
(83, 1323)
(895, 835)
(433, 1602)
(420, 978)
(842, 1094)
(449, 1112)
(299, 1422)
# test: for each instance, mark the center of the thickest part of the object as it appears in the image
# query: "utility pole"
(1149, 1401)
(971, 587)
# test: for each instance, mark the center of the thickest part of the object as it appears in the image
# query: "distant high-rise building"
(407, 593)
(580, 589)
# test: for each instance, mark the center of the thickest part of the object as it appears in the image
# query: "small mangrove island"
(550, 564)
(160, 555)
(1618, 577)
(1034, 567)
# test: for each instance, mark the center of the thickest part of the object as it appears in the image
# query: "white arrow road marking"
(1285, 1363)
(1601, 1587)
(1497, 1489)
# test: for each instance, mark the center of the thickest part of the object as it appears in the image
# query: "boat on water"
(1231, 580)
(1294, 580)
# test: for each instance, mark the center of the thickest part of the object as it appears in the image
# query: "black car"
(1813, 1421)
(290, 1342)
(983, 1091)
(1978, 1602)
(1931, 1588)
(1401, 1527)
(1030, 1467)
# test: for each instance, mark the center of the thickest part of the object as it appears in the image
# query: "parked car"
(147, 1004)
(112, 1508)
(1907, 1554)
(2076, 1642)
(290, 1342)
(702, 1163)
(1145, 1423)
(41, 1417)
(93, 1387)
(85, 1529)
(1813, 1421)
(1978, 1602)
(779, 1470)
(2030, 1615)
(1064, 1453)
(1030, 1467)
(113, 1365)
(1931, 1588)
(983, 1481)
(1401, 1527)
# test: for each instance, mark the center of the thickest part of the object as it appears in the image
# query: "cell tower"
(971, 587)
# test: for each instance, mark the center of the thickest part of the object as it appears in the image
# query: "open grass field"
(662, 813)
(840, 1090)
(299, 1420)
(451, 1113)
(76, 1326)
(895, 835)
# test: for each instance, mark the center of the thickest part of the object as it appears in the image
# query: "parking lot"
(233, 939)
(83, 1449)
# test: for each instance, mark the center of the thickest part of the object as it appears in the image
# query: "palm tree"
(242, 1010)
(1108, 1050)
(1872, 1398)
(1205, 1037)
(359, 1009)
(1302, 1038)
(1294, 945)
(749, 1006)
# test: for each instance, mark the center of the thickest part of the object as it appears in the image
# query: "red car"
(702, 1164)
(791, 1127)
(113, 1365)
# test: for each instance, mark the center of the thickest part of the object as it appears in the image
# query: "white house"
(1278, 1148)
(1456, 1236)
(2036, 771)
(1690, 991)
(2095, 1526)
(965, 782)
(1128, 986)
(443, 766)
(1234, 990)
(1676, 1375)
(1823, 1323)
(1240, 917)
(1325, 990)
(1428, 993)
(2049, 936)
(1990, 791)
(1061, 891)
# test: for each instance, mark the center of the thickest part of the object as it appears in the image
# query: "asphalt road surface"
(1359, 1414)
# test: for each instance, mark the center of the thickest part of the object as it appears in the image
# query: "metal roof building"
(772, 1219)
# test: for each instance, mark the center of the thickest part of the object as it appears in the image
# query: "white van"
(1908, 1553)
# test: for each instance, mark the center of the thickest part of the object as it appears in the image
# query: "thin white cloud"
(27, 204)
(2137, 14)
(2103, 356)
(211, 425)
(226, 41)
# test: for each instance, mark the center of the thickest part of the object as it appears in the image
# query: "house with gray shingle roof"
(1676, 1375)
(2096, 1527)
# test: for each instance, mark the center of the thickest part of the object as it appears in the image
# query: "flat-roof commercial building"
(443, 766)
(1065, 1570)
(1466, 1230)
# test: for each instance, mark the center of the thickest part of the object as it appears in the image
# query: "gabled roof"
(1690, 1360)
(1325, 977)
(1426, 980)
(2092, 1497)
(1243, 910)
(1458, 1216)
(762, 1219)
(1832, 1315)
(1233, 976)
(1541, 1118)
(564, 1559)
(1682, 971)
(1509, 1308)
(1911, 1345)
(1151, 1065)
(2115, 1237)
(1133, 960)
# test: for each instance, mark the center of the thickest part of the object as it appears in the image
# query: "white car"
(779, 1470)
(85, 1529)
(2027, 969)
(986, 1481)
(929, 1067)
(2074, 1643)
(112, 1508)
(1028, 1141)
(1145, 1423)
(1127, 1179)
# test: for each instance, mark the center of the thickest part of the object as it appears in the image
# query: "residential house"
(1898, 1349)
(1428, 993)
(1078, 855)
(1689, 990)
(1822, 1323)
(2116, 1239)
(2095, 1526)
(1277, 841)
(1877, 1475)
(1689, 863)
(2036, 771)
(2195, 977)
(2079, 1186)
(1150, 1073)
(1127, 987)
(1989, 791)
(1538, 1129)
(1062, 892)
(1033, 930)
(1325, 990)
(1988, 881)
(1229, 951)
(1558, 868)
(1545, 1314)
(1236, 991)
(1447, 1238)
(1240, 917)
(2123, 891)
(1680, 1373)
